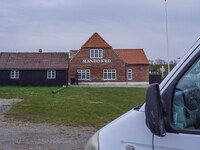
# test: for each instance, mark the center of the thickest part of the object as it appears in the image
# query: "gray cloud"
(60, 25)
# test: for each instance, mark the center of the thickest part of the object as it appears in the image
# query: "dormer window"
(96, 53)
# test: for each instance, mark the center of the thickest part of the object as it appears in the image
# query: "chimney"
(40, 51)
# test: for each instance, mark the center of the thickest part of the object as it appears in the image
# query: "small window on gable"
(51, 74)
(14, 74)
(129, 74)
(96, 53)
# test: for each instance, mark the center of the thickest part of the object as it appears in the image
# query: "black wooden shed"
(34, 69)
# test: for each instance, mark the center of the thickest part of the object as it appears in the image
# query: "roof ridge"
(92, 37)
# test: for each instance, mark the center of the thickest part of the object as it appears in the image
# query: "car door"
(182, 115)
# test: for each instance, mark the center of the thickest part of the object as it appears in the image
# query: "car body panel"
(129, 129)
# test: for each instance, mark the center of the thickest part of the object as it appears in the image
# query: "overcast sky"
(62, 25)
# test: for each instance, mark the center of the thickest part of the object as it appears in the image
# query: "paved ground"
(18, 136)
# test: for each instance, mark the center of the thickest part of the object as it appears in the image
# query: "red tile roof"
(132, 56)
(96, 41)
(33, 60)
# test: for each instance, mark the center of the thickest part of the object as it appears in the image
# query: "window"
(109, 74)
(84, 74)
(96, 53)
(72, 55)
(129, 74)
(51, 74)
(186, 101)
(14, 74)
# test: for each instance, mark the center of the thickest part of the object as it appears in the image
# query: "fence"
(155, 79)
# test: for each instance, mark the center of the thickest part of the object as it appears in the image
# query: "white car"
(169, 119)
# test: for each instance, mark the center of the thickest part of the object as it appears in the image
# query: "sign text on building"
(96, 61)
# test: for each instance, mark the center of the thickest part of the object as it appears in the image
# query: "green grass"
(85, 106)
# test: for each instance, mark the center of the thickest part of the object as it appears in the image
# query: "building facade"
(34, 69)
(98, 62)
(95, 63)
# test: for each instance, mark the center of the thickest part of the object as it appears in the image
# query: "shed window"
(129, 74)
(109, 74)
(14, 74)
(84, 74)
(96, 53)
(51, 74)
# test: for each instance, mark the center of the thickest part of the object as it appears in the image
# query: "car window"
(186, 99)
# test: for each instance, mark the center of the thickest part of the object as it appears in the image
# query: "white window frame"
(84, 74)
(109, 74)
(14, 74)
(129, 74)
(96, 53)
(51, 74)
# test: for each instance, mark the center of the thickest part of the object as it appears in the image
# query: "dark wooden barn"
(34, 69)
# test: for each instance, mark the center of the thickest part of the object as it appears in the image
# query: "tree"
(172, 63)
(160, 61)
(156, 65)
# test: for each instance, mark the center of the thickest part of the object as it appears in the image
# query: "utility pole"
(166, 21)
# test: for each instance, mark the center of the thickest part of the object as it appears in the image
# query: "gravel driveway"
(18, 136)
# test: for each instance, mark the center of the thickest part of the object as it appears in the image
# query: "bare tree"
(160, 61)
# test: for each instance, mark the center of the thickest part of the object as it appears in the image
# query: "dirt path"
(17, 136)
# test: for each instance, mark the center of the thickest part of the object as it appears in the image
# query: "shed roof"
(132, 56)
(33, 60)
(96, 41)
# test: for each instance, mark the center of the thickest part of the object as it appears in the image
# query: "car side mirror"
(154, 111)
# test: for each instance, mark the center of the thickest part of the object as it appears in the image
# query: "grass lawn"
(74, 106)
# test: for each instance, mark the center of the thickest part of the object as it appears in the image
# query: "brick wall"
(96, 69)
(140, 73)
